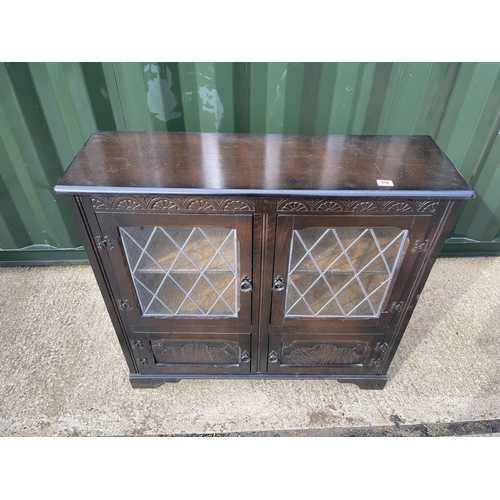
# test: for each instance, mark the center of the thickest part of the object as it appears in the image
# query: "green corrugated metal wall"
(48, 110)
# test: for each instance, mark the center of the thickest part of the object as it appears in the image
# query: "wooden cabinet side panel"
(436, 236)
(87, 229)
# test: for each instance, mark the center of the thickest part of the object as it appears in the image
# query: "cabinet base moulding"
(363, 382)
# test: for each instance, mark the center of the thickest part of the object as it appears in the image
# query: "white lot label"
(385, 183)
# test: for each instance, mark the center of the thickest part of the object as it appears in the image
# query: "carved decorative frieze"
(237, 204)
(355, 205)
(173, 204)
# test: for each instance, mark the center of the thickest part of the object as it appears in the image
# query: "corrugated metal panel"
(48, 110)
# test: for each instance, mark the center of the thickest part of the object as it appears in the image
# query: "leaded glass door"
(340, 272)
(182, 272)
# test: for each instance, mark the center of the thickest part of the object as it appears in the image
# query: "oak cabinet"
(261, 256)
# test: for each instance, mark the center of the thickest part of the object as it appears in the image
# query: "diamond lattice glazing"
(343, 272)
(183, 271)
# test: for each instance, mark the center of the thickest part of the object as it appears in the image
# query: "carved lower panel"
(173, 204)
(196, 353)
(355, 205)
(302, 353)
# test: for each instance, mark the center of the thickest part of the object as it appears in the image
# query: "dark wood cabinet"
(238, 255)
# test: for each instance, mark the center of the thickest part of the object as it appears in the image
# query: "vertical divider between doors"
(268, 232)
(256, 341)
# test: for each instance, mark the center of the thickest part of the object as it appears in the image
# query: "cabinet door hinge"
(123, 305)
(396, 307)
(104, 243)
(380, 349)
(421, 246)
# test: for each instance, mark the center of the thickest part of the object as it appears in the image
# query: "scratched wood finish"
(264, 187)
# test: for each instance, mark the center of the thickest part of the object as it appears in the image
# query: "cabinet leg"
(367, 383)
(141, 382)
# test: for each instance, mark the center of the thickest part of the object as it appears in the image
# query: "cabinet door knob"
(278, 284)
(273, 357)
(245, 357)
(246, 285)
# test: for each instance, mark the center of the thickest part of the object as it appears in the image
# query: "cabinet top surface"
(272, 164)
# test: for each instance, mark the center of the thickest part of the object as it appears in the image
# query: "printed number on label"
(385, 183)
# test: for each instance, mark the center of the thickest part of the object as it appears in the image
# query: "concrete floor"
(63, 373)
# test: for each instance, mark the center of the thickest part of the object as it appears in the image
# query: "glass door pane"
(341, 272)
(183, 270)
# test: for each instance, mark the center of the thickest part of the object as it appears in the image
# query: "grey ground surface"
(63, 374)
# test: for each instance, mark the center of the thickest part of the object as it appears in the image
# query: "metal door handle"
(273, 357)
(246, 285)
(245, 357)
(278, 284)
